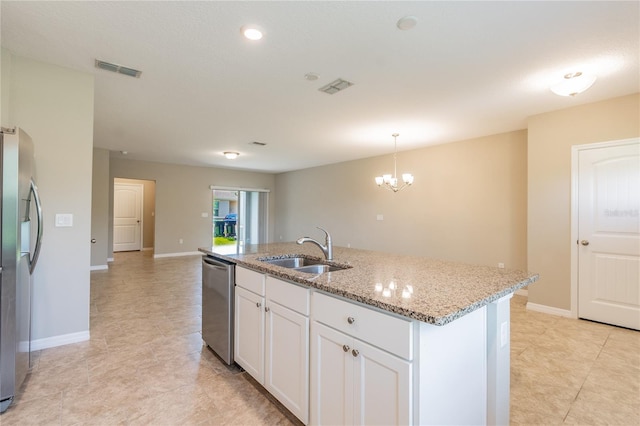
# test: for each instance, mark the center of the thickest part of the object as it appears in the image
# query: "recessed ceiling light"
(231, 155)
(407, 23)
(251, 32)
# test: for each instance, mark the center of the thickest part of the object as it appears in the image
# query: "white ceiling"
(467, 69)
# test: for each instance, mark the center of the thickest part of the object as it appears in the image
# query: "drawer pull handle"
(351, 320)
(258, 304)
(355, 352)
(345, 348)
(266, 309)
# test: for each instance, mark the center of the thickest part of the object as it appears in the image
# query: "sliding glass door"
(239, 218)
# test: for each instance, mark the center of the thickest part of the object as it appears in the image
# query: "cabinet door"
(331, 377)
(287, 356)
(249, 333)
(382, 387)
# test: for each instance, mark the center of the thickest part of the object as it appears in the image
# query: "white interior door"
(127, 216)
(609, 235)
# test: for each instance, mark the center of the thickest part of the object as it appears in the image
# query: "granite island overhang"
(428, 290)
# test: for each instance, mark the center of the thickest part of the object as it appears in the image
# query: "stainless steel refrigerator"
(21, 236)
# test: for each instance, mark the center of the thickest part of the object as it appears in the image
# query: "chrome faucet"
(327, 249)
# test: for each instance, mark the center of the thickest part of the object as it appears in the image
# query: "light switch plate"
(64, 220)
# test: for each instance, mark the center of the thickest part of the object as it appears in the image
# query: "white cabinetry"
(272, 337)
(287, 346)
(353, 381)
(249, 322)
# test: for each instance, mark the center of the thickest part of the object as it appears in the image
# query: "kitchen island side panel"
(452, 384)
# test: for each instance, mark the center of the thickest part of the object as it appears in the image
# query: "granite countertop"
(428, 290)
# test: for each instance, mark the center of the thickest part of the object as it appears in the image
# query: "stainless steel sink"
(293, 262)
(319, 269)
(305, 264)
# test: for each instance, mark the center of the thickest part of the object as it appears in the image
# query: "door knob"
(345, 348)
(351, 320)
(355, 352)
(258, 304)
(93, 241)
(584, 242)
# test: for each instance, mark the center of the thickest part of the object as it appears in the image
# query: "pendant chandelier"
(390, 182)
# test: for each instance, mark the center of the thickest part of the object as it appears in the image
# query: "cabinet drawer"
(387, 332)
(250, 280)
(290, 295)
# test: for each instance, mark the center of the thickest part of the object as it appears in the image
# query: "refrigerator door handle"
(33, 260)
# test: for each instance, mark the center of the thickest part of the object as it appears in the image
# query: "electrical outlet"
(379, 217)
(180, 241)
(501, 265)
(504, 334)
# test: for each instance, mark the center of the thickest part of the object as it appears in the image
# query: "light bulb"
(230, 155)
(252, 33)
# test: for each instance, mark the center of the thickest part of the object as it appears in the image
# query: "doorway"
(606, 215)
(239, 218)
(133, 214)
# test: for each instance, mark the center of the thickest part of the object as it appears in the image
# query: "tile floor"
(145, 363)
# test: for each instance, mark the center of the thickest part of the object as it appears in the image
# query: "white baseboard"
(185, 253)
(549, 310)
(109, 259)
(64, 339)
(98, 267)
(522, 292)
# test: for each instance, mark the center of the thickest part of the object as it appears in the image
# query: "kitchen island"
(455, 317)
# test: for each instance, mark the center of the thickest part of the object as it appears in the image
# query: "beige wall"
(551, 137)
(54, 106)
(148, 210)
(468, 202)
(182, 195)
(5, 87)
(100, 208)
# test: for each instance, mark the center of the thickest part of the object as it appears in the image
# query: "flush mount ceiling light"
(231, 155)
(391, 182)
(251, 32)
(107, 66)
(573, 83)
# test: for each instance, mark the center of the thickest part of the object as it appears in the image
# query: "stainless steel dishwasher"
(218, 278)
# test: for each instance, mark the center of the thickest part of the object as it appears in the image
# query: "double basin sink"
(304, 264)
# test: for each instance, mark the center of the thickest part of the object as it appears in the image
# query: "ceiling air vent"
(258, 143)
(107, 66)
(335, 86)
